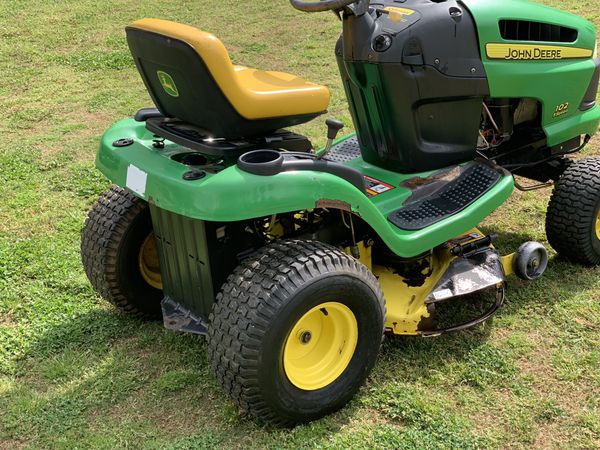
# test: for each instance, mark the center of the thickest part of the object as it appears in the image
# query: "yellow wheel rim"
(148, 262)
(320, 346)
(598, 225)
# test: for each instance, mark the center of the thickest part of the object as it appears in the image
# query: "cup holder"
(261, 162)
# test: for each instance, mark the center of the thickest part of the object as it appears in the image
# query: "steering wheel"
(320, 5)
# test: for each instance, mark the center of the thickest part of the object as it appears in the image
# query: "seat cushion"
(254, 94)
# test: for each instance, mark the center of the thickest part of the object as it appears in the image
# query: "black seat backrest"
(182, 87)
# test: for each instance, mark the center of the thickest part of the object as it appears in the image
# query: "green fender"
(233, 195)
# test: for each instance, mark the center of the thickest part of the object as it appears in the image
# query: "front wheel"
(295, 331)
(573, 219)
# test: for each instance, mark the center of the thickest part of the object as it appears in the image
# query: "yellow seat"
(255, 94)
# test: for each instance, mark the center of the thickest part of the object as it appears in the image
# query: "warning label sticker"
(376, 187)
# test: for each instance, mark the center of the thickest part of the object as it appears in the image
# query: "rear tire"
(573, 219)
(302, 311)
(117, 229)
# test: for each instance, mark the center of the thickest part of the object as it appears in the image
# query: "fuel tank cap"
(382, 42)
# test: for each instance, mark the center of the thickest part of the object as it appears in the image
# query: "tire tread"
(572, 205)
(104, 228)
(248, 303)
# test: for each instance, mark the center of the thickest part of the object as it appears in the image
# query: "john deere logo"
(166, 81)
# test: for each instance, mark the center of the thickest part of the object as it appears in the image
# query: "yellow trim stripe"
(397, 14)
(403, 11)
(526, 52)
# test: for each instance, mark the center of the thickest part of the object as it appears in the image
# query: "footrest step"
(345, 151)
(474, 181)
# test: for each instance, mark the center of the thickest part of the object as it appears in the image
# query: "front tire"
(573, 219)
(295, 331)
(118, 251)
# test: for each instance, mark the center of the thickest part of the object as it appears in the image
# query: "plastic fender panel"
(233, 195)
(229, 195)
(557, 69)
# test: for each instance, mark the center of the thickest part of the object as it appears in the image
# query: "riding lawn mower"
(295, 262)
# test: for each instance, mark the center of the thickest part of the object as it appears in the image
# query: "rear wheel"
(119, 254)
(573, 220)
(295, 331)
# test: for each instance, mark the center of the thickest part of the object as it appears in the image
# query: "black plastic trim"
(535, 31)
(432, 74)
(147, 113)
(589, 99)
(345, 151)
(124, 142)
(270, 162)
(197, 139)
(455, 196)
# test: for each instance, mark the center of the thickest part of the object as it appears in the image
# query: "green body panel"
(551, 82)
(233, 195)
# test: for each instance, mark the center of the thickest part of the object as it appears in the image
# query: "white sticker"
(136, 180)
(443, 294)
(380, 188)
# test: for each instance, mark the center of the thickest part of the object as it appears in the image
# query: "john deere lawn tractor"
(295, 261)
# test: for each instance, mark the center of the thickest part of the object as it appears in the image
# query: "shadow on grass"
(102, 375)
(102, 369)
(98, 328)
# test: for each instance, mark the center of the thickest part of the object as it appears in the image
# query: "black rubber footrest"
(456, 195)
(344, 151)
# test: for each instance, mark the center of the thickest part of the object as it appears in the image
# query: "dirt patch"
(12, 445)
(82, 126)
(7, 320)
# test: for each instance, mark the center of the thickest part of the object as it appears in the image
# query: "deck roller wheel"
(531, 261)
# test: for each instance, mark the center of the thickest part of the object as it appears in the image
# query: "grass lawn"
(74, 373)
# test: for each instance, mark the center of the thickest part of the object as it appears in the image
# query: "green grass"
(76, 374)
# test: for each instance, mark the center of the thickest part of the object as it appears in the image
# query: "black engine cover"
(415, 83)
